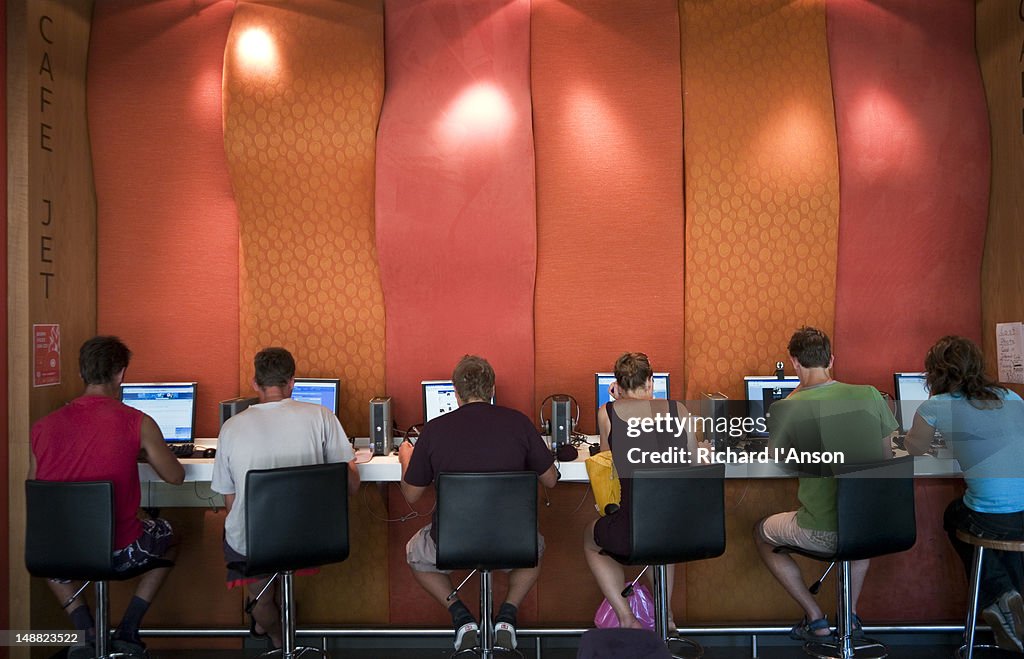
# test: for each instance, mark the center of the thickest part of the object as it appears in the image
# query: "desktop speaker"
(561, 421)
(381, 430)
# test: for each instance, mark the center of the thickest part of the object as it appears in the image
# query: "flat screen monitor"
(171, 404)
(911, 391)
(439, 398)
(761, 392)
(322, 391)
(604, 380)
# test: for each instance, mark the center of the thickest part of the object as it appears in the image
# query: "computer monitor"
(171, 404)
(439, 398)
(322, 391)
(604, 380)
(761, 392)
(911, 391)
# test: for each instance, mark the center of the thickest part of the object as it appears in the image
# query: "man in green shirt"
(825, 419)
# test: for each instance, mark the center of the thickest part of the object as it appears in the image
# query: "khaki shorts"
(421, 551)
(781, 529)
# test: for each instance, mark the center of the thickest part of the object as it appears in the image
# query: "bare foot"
(630, 622)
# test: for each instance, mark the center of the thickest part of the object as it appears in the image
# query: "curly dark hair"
(811, 347)
(633, 370)
(955, 365)
(473, 378)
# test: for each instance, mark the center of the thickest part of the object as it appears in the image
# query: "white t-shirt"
(284, 433)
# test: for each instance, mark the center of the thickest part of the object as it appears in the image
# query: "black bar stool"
(875, 508)
(487, 522)
(58, 512)
(295, 518)
(677, 515)
(980, 545)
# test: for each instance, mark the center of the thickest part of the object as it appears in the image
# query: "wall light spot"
(482, 112)
(256, 50)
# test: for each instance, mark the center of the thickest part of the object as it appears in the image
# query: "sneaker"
(130, 648)
(505, 635)
(1012, 601)
(465, 637)
(1001, 621)
(81, 651)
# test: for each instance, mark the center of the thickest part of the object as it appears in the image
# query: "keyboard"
(182, 450)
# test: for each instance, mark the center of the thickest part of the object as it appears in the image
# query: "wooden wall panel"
(302, 92)
(607, 114)
(914, 181)
(1000, 42)
(456, 226)
(4, 475)
(762, 185)
(51, 229)
(167, 257)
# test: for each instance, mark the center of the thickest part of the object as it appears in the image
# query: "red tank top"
(95, 438)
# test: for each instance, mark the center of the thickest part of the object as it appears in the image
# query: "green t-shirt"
(833, 417)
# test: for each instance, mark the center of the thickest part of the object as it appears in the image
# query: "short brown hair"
(811, 347)
(274, 367)
(633, 370)
(101, 358)
(473, 378)
(955, 365)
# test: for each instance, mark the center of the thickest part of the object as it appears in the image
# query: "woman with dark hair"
(984, 425)
(632, 398)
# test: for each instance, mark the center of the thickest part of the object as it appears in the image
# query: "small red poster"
(46, 348)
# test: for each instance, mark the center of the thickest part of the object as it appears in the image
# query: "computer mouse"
(209, 452)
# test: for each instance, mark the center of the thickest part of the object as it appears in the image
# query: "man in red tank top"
(96, 437)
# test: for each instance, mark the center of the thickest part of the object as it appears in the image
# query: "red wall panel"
(914, 167)
(456, 230)
(608, 122)
(167, 229)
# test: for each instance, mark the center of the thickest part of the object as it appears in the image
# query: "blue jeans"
(1002, 570)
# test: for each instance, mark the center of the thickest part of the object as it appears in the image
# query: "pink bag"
(640, 601)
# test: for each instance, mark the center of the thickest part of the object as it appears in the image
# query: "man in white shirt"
(277, 432)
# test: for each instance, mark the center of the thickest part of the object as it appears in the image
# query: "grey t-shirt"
(285, 433)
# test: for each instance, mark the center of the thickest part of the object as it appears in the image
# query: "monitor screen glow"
(604, 380)
(171, 404)
(911, 391)
(761, 392)
(321, 391)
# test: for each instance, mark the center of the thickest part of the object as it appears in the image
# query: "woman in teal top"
(983, 423)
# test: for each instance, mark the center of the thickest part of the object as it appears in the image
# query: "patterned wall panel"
(456, 226)
(608, 119)
(762, 210)
(761, 185)
(302, 94)
(167, 252)
(914, 145)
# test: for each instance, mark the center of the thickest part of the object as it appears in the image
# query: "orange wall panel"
(167, 231)
(762, 185)
(607, 118)
(302, 92)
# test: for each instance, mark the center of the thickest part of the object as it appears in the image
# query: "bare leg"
(267, 613)
(609, 576)
(150, 582)
(437, 584)
(858, 571)
(519, 583)
(787, 572)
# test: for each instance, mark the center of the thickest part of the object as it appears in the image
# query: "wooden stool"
(980, 545)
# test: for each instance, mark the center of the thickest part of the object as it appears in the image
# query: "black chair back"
(875, 507)
(677, 514)
(296, 517)
(487, 521)
(69, 532)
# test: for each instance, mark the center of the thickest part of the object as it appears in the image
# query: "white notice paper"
(1010, 352)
